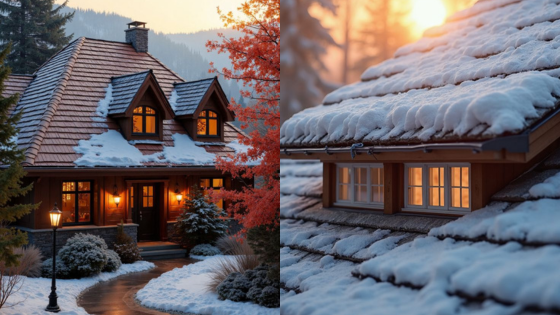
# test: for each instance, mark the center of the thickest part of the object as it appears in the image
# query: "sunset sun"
(427, 13)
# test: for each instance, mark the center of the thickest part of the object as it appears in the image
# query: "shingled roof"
(189, 95)
(124, 88)
(502, 259)
(16, 83)
(490, 71)
(59, 105)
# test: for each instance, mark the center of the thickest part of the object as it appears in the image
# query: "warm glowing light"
(117, 200)
(427, 13)
(179, 198)
(55, 215)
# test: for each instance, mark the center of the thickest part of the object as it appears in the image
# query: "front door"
(147, 214)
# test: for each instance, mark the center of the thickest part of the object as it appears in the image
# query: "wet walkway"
(116, 297)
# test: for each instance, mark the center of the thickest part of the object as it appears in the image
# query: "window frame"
(76, 201)
(352, 202)
(447, 209)
(143, 115)
(212, 182)
(207, 118)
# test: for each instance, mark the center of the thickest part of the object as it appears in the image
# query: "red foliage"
(256, 62)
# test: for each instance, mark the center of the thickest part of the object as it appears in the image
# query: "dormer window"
(207, 125)
(144, 121)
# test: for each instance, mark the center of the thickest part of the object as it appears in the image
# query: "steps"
(160, 250)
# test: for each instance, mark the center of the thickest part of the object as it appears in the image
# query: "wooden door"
(147, 214)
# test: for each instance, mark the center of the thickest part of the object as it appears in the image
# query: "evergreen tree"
(36, 31)
(304, 41)
(11, 173)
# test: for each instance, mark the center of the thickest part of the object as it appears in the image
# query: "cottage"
(448, 122)
(111, 134)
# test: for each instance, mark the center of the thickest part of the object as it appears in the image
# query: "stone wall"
(138, 36)
(43, 238)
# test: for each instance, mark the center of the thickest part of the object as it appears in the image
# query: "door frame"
(163, 202)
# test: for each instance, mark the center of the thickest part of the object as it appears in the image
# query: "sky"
(167, 16)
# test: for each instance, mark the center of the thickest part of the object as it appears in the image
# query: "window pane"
(415, 176)
(415, 196)
(465, 176)
(344, 175)
(150, 190)
(202, 113)
(138, 110)
(136, 124)
(150, 201)
(204, 183)
(213, 127)
(456, 197)
(360, 175)
(434, 197)
(145, 201)
(434, 176)
(360, 193)
(343, 192)
(455, 176)
(68, 186)
(377, 194)
(150, 124)
(212, 114)
(375, 180)
(68, 208)
(132, 197)
(217, 182)
(150, 111)
(201, 127)
(84, 186)
(442, 197)
(220, 203)
(145, 191)
(465, 198)
(84, 207)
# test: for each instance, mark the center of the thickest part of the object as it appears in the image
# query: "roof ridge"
(107, 40)
(52, 106)
(57, 53)
(212, 78)
(166, 67)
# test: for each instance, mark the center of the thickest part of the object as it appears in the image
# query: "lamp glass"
(179, 197)
(117, 200)
(55, 217)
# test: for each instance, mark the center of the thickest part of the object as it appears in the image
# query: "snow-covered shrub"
(84, 255)
(254, 285)
(205, 250)
(62, 271)
(240, 263)
(113, 261)
(125, 247)
(200, 221)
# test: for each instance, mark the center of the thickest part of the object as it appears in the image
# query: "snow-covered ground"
(33, 296)
(184, 290)
(499, 260)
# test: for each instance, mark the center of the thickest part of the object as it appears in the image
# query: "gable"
(190, 98)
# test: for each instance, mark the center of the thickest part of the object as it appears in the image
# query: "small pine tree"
(125, 246)
(10, 177)
(200, 222)
(265, 242)
(35, 29)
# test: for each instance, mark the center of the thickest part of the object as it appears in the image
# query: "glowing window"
(437, 187)
(144, 121)
(215, 184)
(360, 185)
(207, 124)
(76, 202)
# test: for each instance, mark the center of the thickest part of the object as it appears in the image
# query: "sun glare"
(427, 13)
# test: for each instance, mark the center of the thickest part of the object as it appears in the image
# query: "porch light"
(178, 194)
(116, 197)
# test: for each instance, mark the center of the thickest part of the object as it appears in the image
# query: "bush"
(205, 250)
(85, 255)
(113, 261)
(254, 285)
(232, 245)
(200, 222)
(125, 247)
(265, 241)
(29, 262)
(62, 271)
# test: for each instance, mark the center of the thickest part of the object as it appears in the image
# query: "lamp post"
(55, 215)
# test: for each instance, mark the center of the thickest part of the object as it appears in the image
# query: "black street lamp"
(55, 215)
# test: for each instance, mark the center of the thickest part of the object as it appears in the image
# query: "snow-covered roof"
(502, 259)
(189, 95)
(65, 107)
(491, 70)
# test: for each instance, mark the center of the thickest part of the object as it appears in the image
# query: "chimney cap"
(137, 24)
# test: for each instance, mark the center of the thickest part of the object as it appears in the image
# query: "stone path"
(117, 296)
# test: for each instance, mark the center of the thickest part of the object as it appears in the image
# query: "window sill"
(426, 210)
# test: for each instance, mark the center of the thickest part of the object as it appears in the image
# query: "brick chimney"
(137, 35)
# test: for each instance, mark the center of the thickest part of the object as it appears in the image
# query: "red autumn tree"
(255, 57)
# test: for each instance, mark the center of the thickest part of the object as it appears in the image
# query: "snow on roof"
(486, 66)
(502, 259)
(189, 95)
